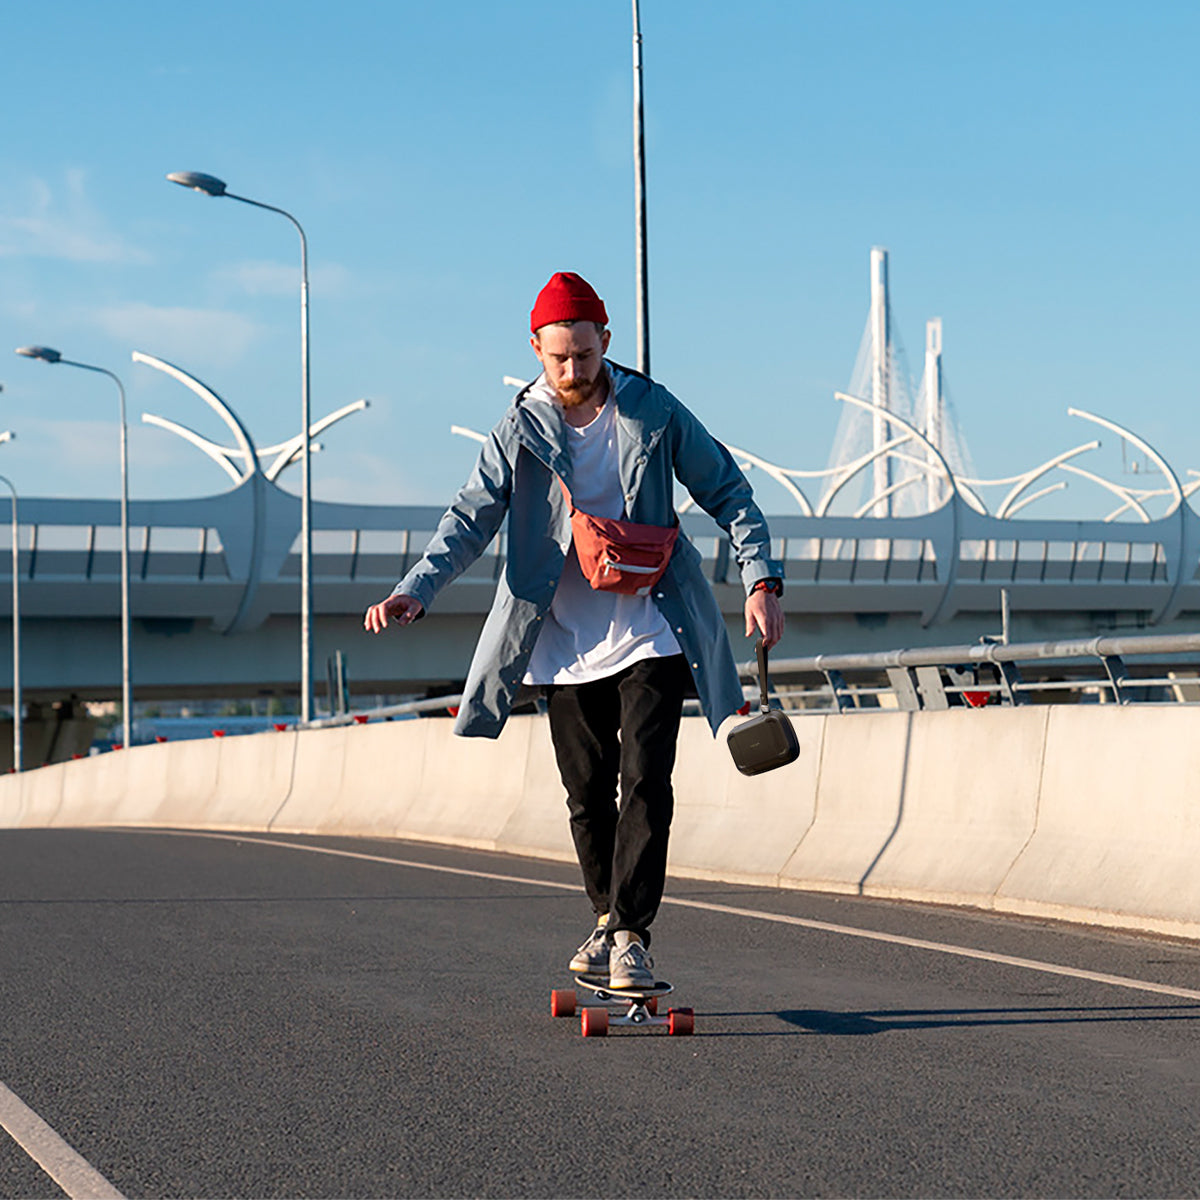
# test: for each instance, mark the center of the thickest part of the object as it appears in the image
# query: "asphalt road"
(202, 1017)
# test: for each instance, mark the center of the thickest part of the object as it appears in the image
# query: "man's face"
(573, 358)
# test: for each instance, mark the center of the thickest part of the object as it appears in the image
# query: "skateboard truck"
(618, 1007)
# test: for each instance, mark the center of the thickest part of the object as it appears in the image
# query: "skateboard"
(619, 1006)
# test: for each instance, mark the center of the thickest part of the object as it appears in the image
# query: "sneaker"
(592, 957)
(629, 964)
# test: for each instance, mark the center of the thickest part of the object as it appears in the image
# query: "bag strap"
(764, 702)
(566, 495)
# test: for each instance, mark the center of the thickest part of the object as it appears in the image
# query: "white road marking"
(74, 1174)
(895, 939)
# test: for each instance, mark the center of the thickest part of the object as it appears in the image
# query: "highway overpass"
(215, 590)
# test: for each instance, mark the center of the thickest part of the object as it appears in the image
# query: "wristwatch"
(771, 584)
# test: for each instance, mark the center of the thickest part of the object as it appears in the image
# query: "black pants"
(622, 727)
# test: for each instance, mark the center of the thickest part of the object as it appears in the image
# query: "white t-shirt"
(588, 634)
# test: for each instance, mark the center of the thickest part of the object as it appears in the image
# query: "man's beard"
(579, 391)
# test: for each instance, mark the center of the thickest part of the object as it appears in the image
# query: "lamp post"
(639, 201)
(16, 628)
(211, 186)
(46, 354)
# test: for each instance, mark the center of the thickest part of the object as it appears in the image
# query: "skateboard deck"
(619, 1007)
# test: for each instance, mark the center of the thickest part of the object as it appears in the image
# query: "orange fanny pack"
(620, 556)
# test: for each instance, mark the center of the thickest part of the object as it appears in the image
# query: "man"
(613, 668)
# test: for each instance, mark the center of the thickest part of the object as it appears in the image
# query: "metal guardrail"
(436, 705)
(992, 672)
(934, 678)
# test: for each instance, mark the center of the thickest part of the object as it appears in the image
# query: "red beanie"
(567, 297)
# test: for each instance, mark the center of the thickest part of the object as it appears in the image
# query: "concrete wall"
(1083, 812)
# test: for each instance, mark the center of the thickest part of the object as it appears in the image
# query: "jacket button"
(695, 666)
(678, 628)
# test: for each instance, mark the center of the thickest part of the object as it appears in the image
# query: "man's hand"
(764, 614)
(399, 608)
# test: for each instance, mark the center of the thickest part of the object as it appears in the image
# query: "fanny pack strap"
(566, 495)
(571, 509)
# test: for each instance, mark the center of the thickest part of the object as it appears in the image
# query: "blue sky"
(1031, 168)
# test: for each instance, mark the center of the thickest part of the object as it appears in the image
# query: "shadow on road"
(853, 1024)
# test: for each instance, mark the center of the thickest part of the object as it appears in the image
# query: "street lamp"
(210, 185)
(46, 354)
(16, 621)
(639, 201)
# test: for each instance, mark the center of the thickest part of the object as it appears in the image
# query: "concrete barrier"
(738, 828)
(354, 780)
(102, 788)
(967, 808)
(33, 797)
(470, 787)
(538, 824)
(859, 802)
(253, 778)
(314, 800)
(1080, 812)
(1117, 840)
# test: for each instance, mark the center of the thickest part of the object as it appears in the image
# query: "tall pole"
(306, 589)
(880, 346)
(126, 678)
(46, 354)
(639, 201)
(933, 396)
(16, 629)
(126, 681)
(212, 186)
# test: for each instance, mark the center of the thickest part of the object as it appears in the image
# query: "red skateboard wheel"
(594, 1022)
(680, 1021)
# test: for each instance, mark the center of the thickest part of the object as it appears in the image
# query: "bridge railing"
(376, 542)
(1100, 670)
(93, 552)
(1103, 670)
(936, 564)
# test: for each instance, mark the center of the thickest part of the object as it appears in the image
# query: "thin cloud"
(283, 279)
(62, 224)
(345, 476)
(211, 335)
(77, 446)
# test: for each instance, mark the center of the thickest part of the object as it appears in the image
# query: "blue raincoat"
(658, 441)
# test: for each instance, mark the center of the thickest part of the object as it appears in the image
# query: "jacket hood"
(643, 409)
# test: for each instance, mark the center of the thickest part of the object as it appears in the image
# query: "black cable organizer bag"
(768, 740)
